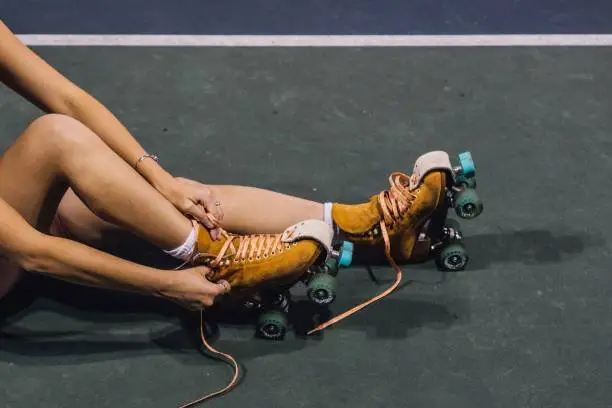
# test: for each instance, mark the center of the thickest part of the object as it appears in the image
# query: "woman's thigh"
(29, 182)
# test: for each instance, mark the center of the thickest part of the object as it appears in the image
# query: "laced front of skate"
(236, 249)
(242, 249)
(394, 203)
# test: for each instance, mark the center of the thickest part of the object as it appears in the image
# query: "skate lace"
(247, 248)
(393, 203)
(397, 199)
(244, 249)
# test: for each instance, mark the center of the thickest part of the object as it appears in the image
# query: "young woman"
(76, 173)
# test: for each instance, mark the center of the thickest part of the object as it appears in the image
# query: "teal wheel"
(272, 325)
(452, 258)
(346, 254)
(468, 204)
(322, 289)
(343, 260)
(467, 164)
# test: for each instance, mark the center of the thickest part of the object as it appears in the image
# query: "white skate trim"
(436, 160)
(311, 229)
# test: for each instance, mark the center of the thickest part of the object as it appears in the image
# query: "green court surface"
(528, 324)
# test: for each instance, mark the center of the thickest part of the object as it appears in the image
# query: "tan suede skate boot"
(390, 223)
(255, 261)
(398, 214)
(250, 263)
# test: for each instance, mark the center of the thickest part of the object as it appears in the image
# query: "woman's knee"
(56, 134)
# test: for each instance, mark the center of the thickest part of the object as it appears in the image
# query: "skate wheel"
(467, 164)
(453, 258)
(468, 204)
(346, 254)
(322, 289)
(272, 325)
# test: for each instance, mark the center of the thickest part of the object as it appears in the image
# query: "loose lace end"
(222, 356)
(398, 279)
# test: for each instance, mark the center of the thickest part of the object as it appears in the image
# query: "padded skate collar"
(436, 160)
(310, 229)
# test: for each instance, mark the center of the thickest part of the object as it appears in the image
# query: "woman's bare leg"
(79, 223)
(252, 210)
(246, 210)
(106, 194)
(30, 184)
(56, 152)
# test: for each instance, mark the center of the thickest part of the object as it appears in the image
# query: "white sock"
(327, 214)
(183, 251)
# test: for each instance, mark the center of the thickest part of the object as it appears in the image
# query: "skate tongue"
(398, 279)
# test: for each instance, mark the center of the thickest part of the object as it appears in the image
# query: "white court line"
(318, 40)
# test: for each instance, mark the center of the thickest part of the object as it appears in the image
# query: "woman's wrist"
(148, 167)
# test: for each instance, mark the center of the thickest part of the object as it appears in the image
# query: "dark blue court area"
(342, 17)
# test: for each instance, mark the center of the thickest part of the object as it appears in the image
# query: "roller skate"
(270, 304)
(273, 304)
(408, 222)
(262, 268)
(409, 217)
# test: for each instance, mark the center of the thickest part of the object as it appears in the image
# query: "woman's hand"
(197, 201)
(191, 289)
